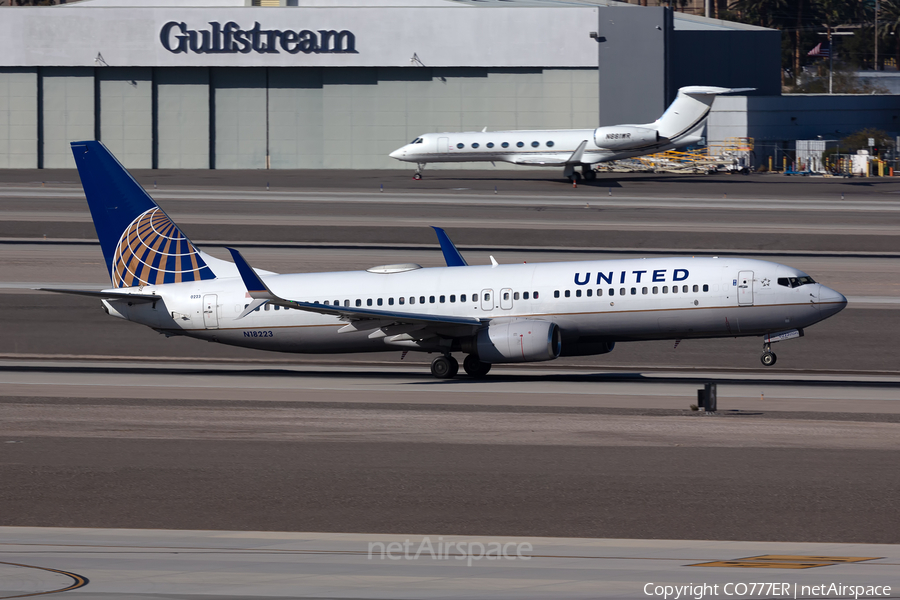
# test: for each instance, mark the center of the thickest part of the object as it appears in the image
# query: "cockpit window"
(419, 141)
(416, 141)
(793, 282)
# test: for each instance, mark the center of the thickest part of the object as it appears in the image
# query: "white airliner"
(681, 125)
(493, 313)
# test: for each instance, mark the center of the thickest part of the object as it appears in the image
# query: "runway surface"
(142, 564)
(106, 424)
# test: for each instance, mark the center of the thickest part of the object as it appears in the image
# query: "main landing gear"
(587, 173)
(419, 168)
(446, 367)
(768, 357)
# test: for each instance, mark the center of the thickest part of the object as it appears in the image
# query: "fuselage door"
(745, 288)
(506, 299)
(487, 299)
(210, 311)
(443, 144)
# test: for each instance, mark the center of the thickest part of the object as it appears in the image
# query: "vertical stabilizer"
(689, 110)
(141, 245)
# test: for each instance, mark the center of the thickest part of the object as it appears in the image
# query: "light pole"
(877, 6)
(831, 33)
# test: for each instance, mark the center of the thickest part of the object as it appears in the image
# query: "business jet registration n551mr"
(681, 125)
(492, 313)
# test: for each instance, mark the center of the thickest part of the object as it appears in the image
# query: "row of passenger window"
(421, 300)
(634, 291)
(476, 145)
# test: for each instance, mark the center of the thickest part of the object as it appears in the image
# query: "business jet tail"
(141, 244)
(687, 114)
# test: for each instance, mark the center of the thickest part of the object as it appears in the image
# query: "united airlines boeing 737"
(681, 125)
(492, 313)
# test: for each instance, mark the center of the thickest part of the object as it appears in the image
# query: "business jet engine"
(516, 341)
(623, 137)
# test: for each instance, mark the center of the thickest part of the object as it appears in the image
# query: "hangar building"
(340, 83)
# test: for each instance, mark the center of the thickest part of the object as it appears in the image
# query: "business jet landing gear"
(475, 368)
(419, 168)
(588, 173)
(444, 367)
(768, 357)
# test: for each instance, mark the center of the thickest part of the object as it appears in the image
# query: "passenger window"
(431, 299)
(516, 296)
(684, 289)
(612, 292)
(401, 300)
(347, 303)
(568, 294)
(460, 146)
(452, 297)
(490, 144)
(442, 299)
(327, 303)
(520, 144)
(556, 293)
(359, 302)
(421, 299)
(267, 306)
(655, 289)
(599, 292)
(369, 302)
(674, 289)
(578, 293)
(412, 299)
(278, 307)
(589, 293)
(487, 297)
(665, 289)
(505, 144)
(506, 295)
(475, 145)
(337, 302)
(621, 291)
(524, 295)
(705, 287)
(474, 297)
(549, 144)
(535, 295)
(390, 301)
(633, 291)
(696, 288)
(380, 302)
(643, 290)
(462, 297)
(535, 144)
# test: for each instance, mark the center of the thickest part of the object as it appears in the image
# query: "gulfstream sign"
(231, 39)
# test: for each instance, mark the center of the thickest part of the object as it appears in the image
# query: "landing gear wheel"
(444, 367)
(474, 367)
(768, 358)
(417, 176)
(589, 173)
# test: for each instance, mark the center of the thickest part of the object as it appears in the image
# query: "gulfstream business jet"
(681, 125)
(491, 313)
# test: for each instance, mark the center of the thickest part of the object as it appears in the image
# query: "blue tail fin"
(141, 244)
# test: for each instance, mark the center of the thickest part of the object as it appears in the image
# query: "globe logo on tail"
(152, 251)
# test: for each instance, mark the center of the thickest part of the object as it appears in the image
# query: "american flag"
(820, 50)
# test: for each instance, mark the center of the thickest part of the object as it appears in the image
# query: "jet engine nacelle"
(517, 341)
(622, 137)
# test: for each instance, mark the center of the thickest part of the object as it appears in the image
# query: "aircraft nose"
(831, 300)
(398, 153)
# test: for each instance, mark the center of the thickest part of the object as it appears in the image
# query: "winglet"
(576, 156)
(255, 286)
(451, 255)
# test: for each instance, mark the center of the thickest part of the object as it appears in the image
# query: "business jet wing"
(105, 295)
(360, 319)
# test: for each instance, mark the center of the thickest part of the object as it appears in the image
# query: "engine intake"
(623, 137)
(516, 341)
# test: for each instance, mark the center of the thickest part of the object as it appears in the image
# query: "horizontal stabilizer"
(106, 295)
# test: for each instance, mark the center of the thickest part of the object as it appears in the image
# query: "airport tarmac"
(143, 565)
(106, 424)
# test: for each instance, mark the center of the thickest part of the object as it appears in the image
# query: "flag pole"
(830, 59)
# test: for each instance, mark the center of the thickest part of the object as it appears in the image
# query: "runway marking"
(79, 581)
(786, 561)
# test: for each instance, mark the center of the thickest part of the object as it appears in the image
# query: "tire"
(474, 367)
(768, 359)
(442, 367)
(417, 176)
(454, 367)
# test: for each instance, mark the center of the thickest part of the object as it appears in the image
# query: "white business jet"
(681, 125)
(493, 313)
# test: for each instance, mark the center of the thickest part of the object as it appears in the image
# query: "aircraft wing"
(105, 295)
(360, 319)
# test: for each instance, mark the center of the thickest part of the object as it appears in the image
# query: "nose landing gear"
(768, 357)
(419, 168)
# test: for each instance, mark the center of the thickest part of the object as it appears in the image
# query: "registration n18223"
(258, 333)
